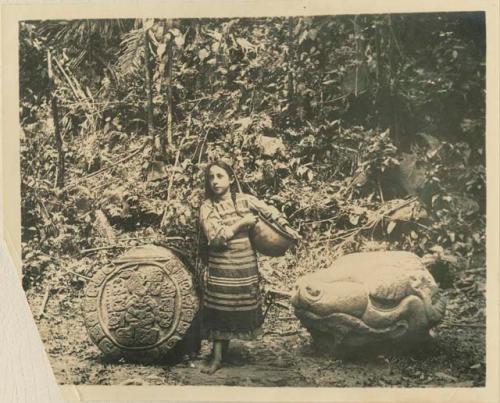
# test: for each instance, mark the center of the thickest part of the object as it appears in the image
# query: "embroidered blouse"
(217, 229)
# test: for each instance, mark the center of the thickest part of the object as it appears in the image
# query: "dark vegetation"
(368, 132)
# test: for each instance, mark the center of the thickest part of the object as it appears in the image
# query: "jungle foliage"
(367, 131)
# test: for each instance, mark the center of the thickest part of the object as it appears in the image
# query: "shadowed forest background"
(367, 131)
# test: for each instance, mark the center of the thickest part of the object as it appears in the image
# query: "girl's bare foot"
(217, 358)
(212, 367)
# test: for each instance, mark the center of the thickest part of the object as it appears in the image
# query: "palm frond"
(85, 39)
(132, 55)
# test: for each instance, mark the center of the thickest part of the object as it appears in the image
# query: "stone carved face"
(369, 297)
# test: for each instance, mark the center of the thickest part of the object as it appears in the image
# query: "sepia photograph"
(294, 201)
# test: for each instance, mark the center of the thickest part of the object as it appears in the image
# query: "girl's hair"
(233, 187)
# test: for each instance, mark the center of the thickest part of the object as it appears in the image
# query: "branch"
(120, 161)
(76, 274)
(83, 251)
(48, 291)
(380, 214)
(122, 246)
(319, 221)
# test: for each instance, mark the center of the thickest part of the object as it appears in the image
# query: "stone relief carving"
(371, 297)
(141, 305)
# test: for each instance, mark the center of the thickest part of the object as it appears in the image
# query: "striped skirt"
(232, 303)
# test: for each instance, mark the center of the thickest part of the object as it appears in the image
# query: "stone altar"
(140, 306)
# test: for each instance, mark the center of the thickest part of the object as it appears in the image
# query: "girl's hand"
(293, 233)
(248, 221)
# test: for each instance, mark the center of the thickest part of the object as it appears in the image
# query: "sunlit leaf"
(203, 54)
(148, 23)
(246, 45)
(179, 41)
(391, 226)
(160, 50)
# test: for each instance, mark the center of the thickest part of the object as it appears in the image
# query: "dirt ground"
(283, 356)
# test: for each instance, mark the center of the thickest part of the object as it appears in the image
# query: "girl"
(232, 306)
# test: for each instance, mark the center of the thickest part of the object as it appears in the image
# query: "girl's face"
(219, 180)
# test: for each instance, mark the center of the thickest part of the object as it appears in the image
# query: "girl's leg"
(225, 348)
(217, 358)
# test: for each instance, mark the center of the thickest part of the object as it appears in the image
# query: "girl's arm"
(269, 212)
(216, 232)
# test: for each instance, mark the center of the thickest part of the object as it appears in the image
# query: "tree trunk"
(57, 128)
(358, 54)
(291, 56)
(168, 77)
(149, 87)
(377, 52)
(393, 84)
(102, 226)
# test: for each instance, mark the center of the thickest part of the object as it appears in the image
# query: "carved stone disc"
(141, 305)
